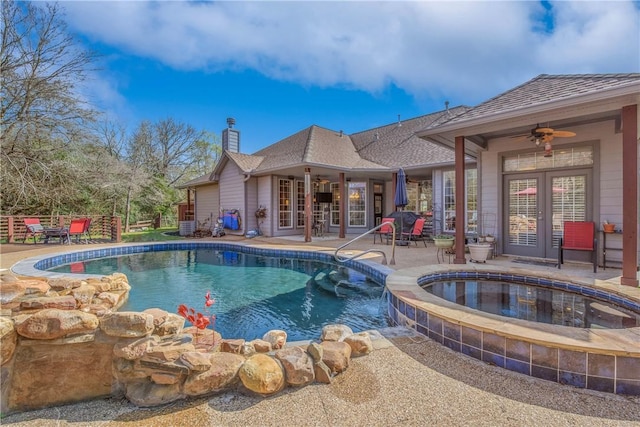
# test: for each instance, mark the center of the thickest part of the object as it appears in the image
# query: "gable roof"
(314, 146)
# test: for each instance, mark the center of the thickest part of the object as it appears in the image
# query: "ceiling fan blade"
(563, 133)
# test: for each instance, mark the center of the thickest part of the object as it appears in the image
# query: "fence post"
(10, 230)
(116, 229)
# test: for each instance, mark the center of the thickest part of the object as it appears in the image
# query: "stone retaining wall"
(63, 341)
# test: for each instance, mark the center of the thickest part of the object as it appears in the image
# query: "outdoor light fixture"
(547, 149)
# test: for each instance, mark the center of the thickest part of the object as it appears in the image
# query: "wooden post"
(460, 201)
(629, 196)
(308, 214)
(10, 230)
(341, 206)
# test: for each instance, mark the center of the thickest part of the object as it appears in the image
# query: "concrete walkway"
(408, 380)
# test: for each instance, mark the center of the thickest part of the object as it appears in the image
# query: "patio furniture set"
(78, 228)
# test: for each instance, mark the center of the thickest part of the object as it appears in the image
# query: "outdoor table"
(56, 232)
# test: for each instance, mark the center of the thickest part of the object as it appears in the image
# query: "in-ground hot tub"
(599, 359)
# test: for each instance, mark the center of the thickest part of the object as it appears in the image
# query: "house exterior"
(592, 176)
(328, 166)
(493, 154)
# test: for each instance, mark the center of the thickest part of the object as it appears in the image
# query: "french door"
(538, 204)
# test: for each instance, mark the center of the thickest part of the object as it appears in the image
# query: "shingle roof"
(548, 88)
(245, 162)
(313, 145)
(396, 145)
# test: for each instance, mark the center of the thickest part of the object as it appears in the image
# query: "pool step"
(344, 286)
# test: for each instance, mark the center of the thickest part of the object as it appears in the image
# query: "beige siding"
(207, 205)
(607, 172)
(265, 198)
(232, 193)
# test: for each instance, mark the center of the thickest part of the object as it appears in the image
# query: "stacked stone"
(62, 342)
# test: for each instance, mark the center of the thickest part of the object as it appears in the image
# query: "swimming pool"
(256, 289)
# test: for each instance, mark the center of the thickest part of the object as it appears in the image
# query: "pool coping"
(404, 284)
(33, 266)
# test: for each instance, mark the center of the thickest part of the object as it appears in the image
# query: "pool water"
(253, 294)
(533, 303)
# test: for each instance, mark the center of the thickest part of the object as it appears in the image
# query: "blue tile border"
(38, 266)
(611, 374)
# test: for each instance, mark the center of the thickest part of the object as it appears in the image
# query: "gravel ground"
(409, 380)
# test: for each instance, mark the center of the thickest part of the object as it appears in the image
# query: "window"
(357, 203)
(470, 200)
(561, 158)
(335, 205)
(300, 204)
(285, 206)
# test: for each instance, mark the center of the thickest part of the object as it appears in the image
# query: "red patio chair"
(579, 236)
(78, 228)
(385, 230)
(416, 232)
(34, 228)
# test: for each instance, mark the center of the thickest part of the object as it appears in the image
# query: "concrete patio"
(408, 380)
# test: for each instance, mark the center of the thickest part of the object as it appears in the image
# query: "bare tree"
(42, 115)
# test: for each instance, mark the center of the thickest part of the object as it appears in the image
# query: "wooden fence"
(103, 228)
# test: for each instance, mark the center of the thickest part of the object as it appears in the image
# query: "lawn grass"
(150, 235)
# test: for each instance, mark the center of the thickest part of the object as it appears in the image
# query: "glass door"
(538, 204)
(524, 215)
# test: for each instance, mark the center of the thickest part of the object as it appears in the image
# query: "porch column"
(629, 196)
(394, 185)
(341, 206)
(308, 214)
(460, 198)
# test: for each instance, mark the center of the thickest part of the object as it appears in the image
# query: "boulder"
(277, 338)
(222, 374)
(232, 346)
(132, 350)
(297, 365)
(322, 372)
(146, 393)
(127, 324)
(261, 346)
(11, 291)
(335, 332)
(84, 294)
(159, 316)
(173, 324)
(360, 344)
(169, 350)
(35, 286)
(336, 355)
(38, 303)
(262, 374)
(8, 339)
(64, 285)
(52, 323)
(196, 361)
(315, 351)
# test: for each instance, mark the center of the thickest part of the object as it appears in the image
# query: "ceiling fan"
(320, 180)
(544, 135)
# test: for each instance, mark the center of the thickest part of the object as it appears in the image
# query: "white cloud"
(465, 50)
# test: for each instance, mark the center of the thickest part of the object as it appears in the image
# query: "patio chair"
(579, 236)
(386, 230)
(34, 228)
(416, 232)
(79, 228)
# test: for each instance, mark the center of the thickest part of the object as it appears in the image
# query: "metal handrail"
(384, 256)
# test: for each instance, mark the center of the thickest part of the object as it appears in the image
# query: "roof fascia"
(630, 90)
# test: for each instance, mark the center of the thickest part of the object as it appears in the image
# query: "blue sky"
(279, 67)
